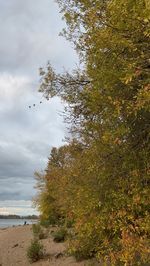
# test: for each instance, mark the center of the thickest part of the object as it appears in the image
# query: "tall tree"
(108, 104)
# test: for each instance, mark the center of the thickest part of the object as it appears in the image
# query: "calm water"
(13, 222)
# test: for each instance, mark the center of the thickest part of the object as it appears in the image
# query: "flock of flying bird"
(33, 105)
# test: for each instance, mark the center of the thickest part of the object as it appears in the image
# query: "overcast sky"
(28, 39)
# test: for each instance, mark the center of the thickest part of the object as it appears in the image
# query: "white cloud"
(12, 86)
(29, 36)
(21, 207)
(13, 90)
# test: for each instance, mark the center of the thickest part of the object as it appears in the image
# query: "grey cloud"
(27, 137)
(29, 38)
(17, 189)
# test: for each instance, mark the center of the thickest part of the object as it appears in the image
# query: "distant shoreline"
(28, 217)
(7, 223)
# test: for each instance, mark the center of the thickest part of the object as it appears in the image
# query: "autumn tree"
(106, 184)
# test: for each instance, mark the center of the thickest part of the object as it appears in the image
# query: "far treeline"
(14, 216)
(98, 183)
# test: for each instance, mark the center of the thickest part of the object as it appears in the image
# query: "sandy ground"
(15, 241)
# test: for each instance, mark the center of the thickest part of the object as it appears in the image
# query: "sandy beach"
(14, 242)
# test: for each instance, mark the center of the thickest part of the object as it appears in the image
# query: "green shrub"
(69, 223)
(35, 251)
(45, 223)
(37, 231)
(36, 228)
(60, 235)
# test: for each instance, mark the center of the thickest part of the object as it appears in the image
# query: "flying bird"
(30, 106)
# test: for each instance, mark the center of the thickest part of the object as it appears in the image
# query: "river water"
(14, 222)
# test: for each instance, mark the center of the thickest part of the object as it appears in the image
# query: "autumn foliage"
(99, 181)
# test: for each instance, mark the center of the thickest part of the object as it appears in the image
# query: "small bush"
(53, 219)
(69, 223)
(37, 231)
(35, 251)
(36, 228)
(45, 223)
(60, 235)
(80, 256)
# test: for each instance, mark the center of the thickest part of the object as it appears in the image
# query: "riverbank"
(14, 242)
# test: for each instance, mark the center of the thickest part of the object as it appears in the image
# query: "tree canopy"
(100, 179)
